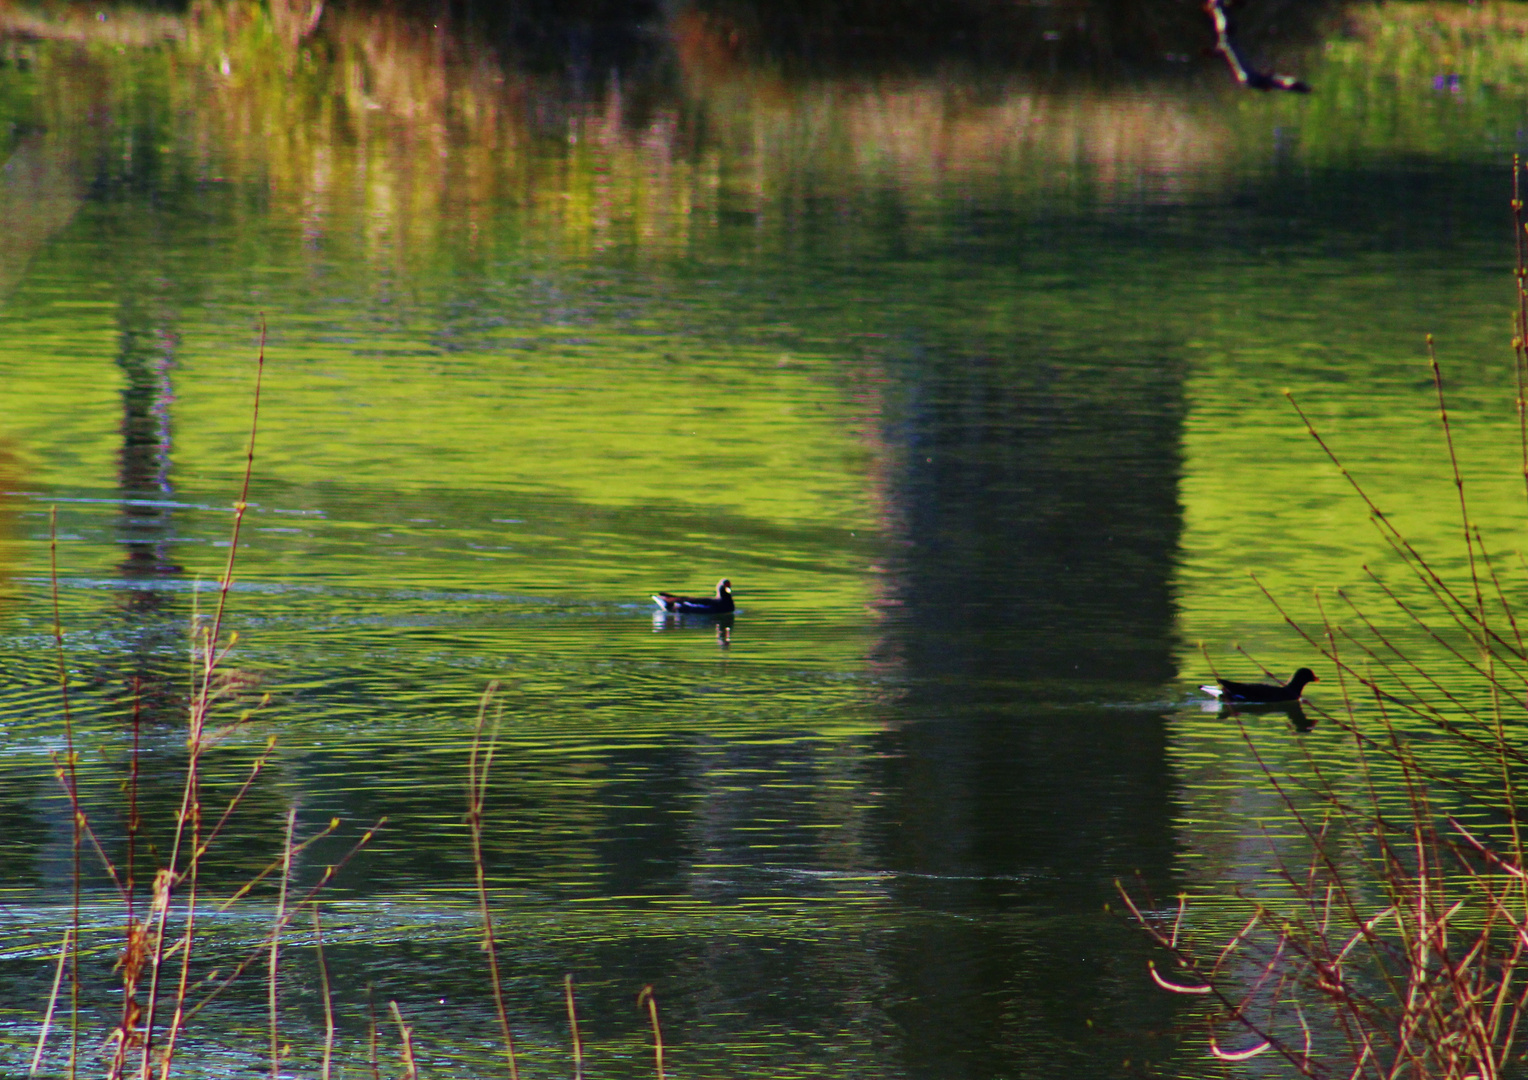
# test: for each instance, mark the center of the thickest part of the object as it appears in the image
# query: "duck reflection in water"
(1294, 710)
(722, 624)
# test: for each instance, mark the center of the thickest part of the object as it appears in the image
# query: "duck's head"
(1303, 676)
(723, 588)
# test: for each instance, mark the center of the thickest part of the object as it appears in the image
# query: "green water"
(971, 385)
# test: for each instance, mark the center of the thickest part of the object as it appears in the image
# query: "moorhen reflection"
(1240, 693)
(1291, 709)
(720, 604)
(721, 624)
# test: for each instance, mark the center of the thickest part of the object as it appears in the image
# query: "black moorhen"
(719, 604)
(1255, 692)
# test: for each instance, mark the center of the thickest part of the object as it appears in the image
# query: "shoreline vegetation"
(1390, 936)
(364, 105)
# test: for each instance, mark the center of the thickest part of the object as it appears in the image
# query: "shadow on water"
(153, 623)
(1034, 521)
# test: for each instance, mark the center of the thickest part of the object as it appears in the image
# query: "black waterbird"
(1243, 72)
(1252, 693)
(719, 604)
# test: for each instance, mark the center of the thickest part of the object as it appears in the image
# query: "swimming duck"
(719, 604)
(1255, 692)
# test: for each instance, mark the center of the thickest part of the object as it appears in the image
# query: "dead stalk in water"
(406, 1037)
(72, 785)
(323, 975)
(479, 760)
(286, 877)
(254, 955)
(1520, 312)
(650, 1000)
(47, 1017)
(211, 652)
(578, 1047)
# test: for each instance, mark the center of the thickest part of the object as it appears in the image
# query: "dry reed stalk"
(189, 816)
(406, 1039)
(262, 950)
(1520, 311)
(578, 1046)
(72, 787)
(134, 822)
(323, 976)
(1453, 464)
(650, 999)
(479, 760)
(47, 1016)
(275, 962)
(66, 772)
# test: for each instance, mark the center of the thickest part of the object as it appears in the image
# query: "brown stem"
(479, 759)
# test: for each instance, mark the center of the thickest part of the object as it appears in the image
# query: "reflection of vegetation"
(428, 129)
(1418, 78)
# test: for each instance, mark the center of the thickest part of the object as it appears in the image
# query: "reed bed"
(156, 962)
(1391, 940)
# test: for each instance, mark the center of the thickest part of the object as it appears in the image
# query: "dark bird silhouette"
(1291, 709)
(719, 604)
(1254, 693)
(1245, 73)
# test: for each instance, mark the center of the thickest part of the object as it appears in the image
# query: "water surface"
(971, 385)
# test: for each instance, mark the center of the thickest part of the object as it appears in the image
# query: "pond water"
(969, 383)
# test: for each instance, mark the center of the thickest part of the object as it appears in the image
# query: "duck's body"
(1253, 693)
(720, 604)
